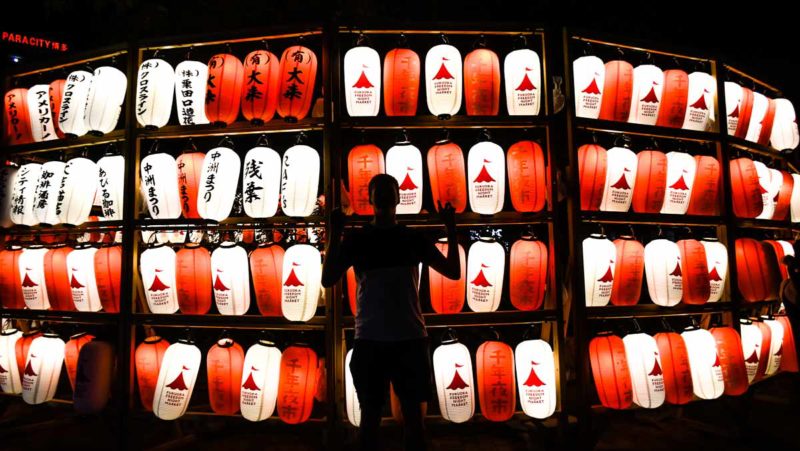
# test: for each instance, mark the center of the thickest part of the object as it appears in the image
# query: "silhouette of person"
(391, 343)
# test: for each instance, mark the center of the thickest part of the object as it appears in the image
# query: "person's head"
(384, 194)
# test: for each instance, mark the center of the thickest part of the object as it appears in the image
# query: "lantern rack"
(116, 136)
(466, 219)
(651, 131)
(740, 145)
(609, 217)
(239, 128)
(58, 316)
(455, 122)
(275, 222)
(653, 310)
(227, 322)
(730, 70)
(479, 319)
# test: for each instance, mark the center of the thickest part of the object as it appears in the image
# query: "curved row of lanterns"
(760, 192)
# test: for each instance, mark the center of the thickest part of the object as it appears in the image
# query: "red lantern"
(772, 271)
(752, 270)
(260, 86)
(297, 384)
(224, 364)
(745, 188)
(193, 279)
(779, 250)
(744, 111)
(789, 359)
(674, 100)
(592, 165)
(95, 372)
(18, 121)
(528, 274)
(298, 72)
(675, 365)
(482, 82)
(617, 92)
(527, 176)
(10, 281)
(783, 200)
(706, 187)
(352, 287)
(71, 352)
(610, 370)
(401, 82)
(22, 346)
(363, 163)
(764, 349)
(266, 267)
(447, 295)
(148, 358)
(694, 272)
(107, 273)
(765, 126)
(651, 182)
(628, 271)
(448, 175)
(190, 168)
(731, 358)
(56, 95)
(224, 90)
(496, 381)
(57, 279)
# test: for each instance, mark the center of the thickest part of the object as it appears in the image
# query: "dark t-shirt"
(387, 264)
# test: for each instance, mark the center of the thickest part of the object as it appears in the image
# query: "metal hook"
(226, 140)
(301, 138)
(153, 147)
(228, 47)
(666, 324)
(523, 39)
(262, 141)
(402, 40)
(403, 138)
(484, 135)
(266, 44)
(362, 39)
(191, 145)
(636, 327)
(449, 336)
(446, 134)
(189, 52)
(444, 38)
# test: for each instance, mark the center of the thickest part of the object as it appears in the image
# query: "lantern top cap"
(153, 339)
(9, 331)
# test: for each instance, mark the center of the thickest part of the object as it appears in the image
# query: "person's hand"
(447, 215)
(337, 223)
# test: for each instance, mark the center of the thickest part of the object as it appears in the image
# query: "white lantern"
(154, 87)
(42, 125)
(299, 181)
(648, 87)
(218, 183)
(351, 398)
(31, 273)
(73, 103)
(404, 163)
(795, 199)
(443, 80)
(262, 367)
(620, 179)
(717, 261)
(485, 269)
(23, 194)
(707, 380)
(770, 181)
(261, 182)
(523, 78)
(784, 126)
(486, 169)
(599, 257)
(190, 92)
(662, 268)
(78, 187)
(44, 204)
(159, 186)
(700, 101)
(775, 347)
(9, 370)
(82, 282)
(536, 378)
(644, 364)
(157, 266)
(787, 247)
(760, 105)
(42, 369)
(111, 174)
(362, 81)
(230, 276)
(733, 100)
(681, 170)
(8, 175)
(176, 380)
(751, 348)
(588, 77)
(302, 278)
(105, 99)
(452, 369)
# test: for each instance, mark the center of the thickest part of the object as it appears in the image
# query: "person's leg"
(411, 378)
(413, 425)
(370, 380)
(369, 429)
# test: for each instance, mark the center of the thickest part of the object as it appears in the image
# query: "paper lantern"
(11, 279)
(527, 176)
(157, 266)
(298, 74)
(588, 74)
(717, 263)
(259, 382)
(770, 181)
(42, 369)
(404, 163)
(321, 386)
(757, 116)
(362, 81)
(674, 356)
(485, 270)
(447, 295)
(230, 272)
(56, 277)
(775, 348)
(628, 271)
(41, 118)
(482, 82)
(522, 73)
(752, 348)
(154, 87)
(753, 272)
(664, 272)
(676, 95)
(681, 170)
(779, 249)
(77, 191)
(261, 182)
(18, 120)
(193, 279)
(363, 162)
(148, 357)
(266, 265)
(352, 405)
(73, 104)
(599, 257)
(783, 201)
(31, 272)
(259, 96)
(644, 366)
(23, 194)
(700, 101)
(401, 82)
(299, 181)
(617, 92)
(452, 369)
(352, 287)
(189, 168)
(56, 95)
(218, 183)
(22, 347)
(528, 274)
(766, 124)
(224, 363)
(745, 188)
(784, 126)
(612, 378)
(695, 273)
(592, 168)
(536, 378)
(704, 199)
(105, 99)
(72, 350)
(111, 186)
(8, 174)
(95, 372)
(794, 202)
(651, 182)
(486, 171)
(620, 179)
(707, 376)
(731, 359)
(190, 93)
(302, 276)
(176, 380)
(447, 175)
(82, 281)
(9, 369)
(443, 80)
(224, 89)
(789, 351)
(297, 382)
(740, 109)
(648, 86)
(496, 382)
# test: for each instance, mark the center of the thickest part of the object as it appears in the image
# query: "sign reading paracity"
(33, 41)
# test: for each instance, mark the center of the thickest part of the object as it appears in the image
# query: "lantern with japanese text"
(700, 101)
(674, 357)
(7, 175)
(105, 99)
(176, 380)
(681, 170)
(527, 280)
(111, 189)
(482, 82)
(23, 194)
(589, 81)
(707, 378)
(696, 281)
(752, 339)
(56, 278)
(193, 279)
(651, 182)
(224, 89)
(95, 373)
(73, 104)
(676, 95)
(107, 272)
(452, 369)
(739, 105)
(731, 359)
(148, 357)
(363, 162)
(448, 176)
(11, 279)
(522, 73)
(298, 71)
(536, 378)
(82, 281)
(486, 171)
(259, 381)
(717, 264)
(46, 192)
(620, 179)
(648, 86)
(447, 295)
(485, 269)
(154, 93)
(794, 202)
(22, 347)
(190, 92)
(261, 182)
(56, 95)
(775, 348)
(77, 191)
(599, 257)
(610, 371)
(157, 266)
(443, 80)
(362, 81)
(644, 365)
(230, 272)
(299, 181)
(404, 163)
(662, 267)
(297, 383)
(784, 133)
(266, 266)
(42, 369)
(9, 369)
(770, 181)
(592, 168)
(31, 271)
(617, 92)
(496, 380)
(41, 118)
(352, 405)
(260, 86)
(18, 120)
(190, 167)
(789, 351)
(218, 183)
(783, 200)
(753, 271)
(527, 176)
(72, 350)
(758, 117)
(302, 276)
(745, 188)
(628, 271)
(704, 199)
(224, 363)
(401, 82)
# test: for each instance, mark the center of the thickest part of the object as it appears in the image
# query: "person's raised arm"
(450, 265)
(336, 263)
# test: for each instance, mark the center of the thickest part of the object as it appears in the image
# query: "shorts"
(406, 364)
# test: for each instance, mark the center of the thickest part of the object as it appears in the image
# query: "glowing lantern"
(447, 175)
(707, 376)
(302, 276)
(751, 348)
(485, 270)
(111, 187)
(23, 194)
(731, 359)
(190, 93)
(363, 163)
(620, 180)
(41, 118)
(190, 167)
(717, 263)
(259, 381)
(644, 365)
(9, 369)
(160, 186)
(700, 101)
(527, 177)
(157, 266)
(592, 168)
(704, 199)
(401, 82)
(231, 279)
(745, 188)
(648, 86)
(107, 271)
(299, 73)
(496, 383)
(362, 81)
(754, 271)
(436, 304)
(486, 170)
(794, 202)
(770, 181)
(148, 357)
(789, 351)
(589, 79)
(193, 279)
(681, 170)
(528, 274)
(610, 371)
(694, 268)
(82, 282)
(56, 94)
(72, 350)
(104, 100)
(740, 109)
(352, 405)
(452, 369)
(775, 348)
(447, 296)
(482, 82)
(651, 182)
(599, 255)
(73, 104)
(523, 79)
(628, 271)
(224, 363)
(42, 369)
(783, 201)
(31, 272)
(95, 372)
(674, 101)
(7, 176)
(176, 380)
(77, 191)
(299, 181)
(778, 251)
(662, 266)
(536, 378)
(404, 163)
(224, 89)
(266, 265)
(784, 126)
(617, 92)
(758, 117)
(154, 87)
(443, 80)
(261, 182)
(297, 383)
(674, 356)
(18, 121)
(10, 279)
(260, 86)
(56, 278)
(218, 183)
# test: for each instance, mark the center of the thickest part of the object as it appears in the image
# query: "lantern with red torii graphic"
(536, 378)
(176, 380)
(362, 80)
(452, 369)
(260, 381)
(157, 267)
(443, 80)
(707, 377)
(644, 364)
(485, 271)
(43, 364)
(588, 80)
